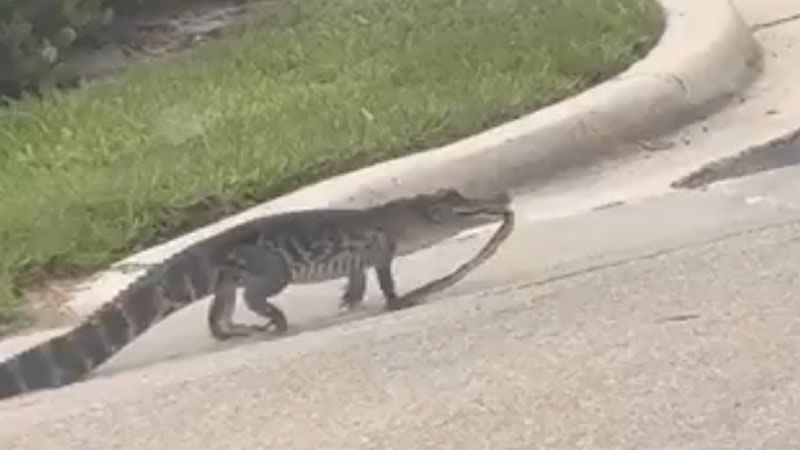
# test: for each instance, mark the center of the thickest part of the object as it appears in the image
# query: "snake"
(490, 248)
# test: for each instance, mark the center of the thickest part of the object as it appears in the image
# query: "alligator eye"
(237, 262)
(452, 193)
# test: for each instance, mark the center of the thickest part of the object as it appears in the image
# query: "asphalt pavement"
(620, 314)
(662, 336)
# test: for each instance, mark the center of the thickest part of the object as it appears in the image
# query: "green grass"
(319, 88)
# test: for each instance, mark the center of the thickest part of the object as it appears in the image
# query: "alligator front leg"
(387, 285)
(355, 290)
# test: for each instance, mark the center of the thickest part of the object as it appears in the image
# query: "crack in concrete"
(775, 22)
(643, 257)
(669, 78)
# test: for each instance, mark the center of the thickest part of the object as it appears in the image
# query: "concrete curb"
(706, 55)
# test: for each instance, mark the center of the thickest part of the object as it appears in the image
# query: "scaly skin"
(263, 256)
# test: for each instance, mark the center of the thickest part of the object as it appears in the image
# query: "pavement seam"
(644, 257)
(776, 22)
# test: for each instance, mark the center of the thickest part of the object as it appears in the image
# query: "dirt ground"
(156, 33)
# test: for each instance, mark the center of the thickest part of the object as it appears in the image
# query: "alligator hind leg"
(223, 305)
(263, 274)
(258, 303)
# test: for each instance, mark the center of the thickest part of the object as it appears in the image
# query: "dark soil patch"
(146, 35)
(781, 152)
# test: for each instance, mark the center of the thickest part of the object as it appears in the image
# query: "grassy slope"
(321, 87)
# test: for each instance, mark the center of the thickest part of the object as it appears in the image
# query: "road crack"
(775, 22)
(644, 257)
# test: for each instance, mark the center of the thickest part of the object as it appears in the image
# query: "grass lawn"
(318, 88)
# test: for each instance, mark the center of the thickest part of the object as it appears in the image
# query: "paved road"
(665, 324)
(621, 328)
